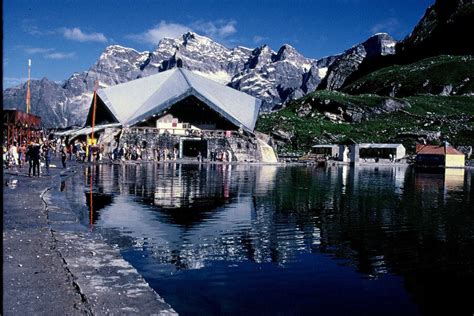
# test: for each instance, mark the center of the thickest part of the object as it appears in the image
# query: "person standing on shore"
(29, 151)
(63, 155)
(34, 158)
(22, 154)
(71, 151)
(13, 151)
(47, 155)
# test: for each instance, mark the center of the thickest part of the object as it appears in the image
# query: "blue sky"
(65, 36)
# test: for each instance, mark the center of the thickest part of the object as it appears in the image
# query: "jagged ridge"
(274, 77)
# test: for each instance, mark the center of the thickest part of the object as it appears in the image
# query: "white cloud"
(257, 39)
(29, 26)
(389, 25)
(48, 53)
(37, 50)
(158, 32)
(75, 34)
(59, 55)
(219, 30)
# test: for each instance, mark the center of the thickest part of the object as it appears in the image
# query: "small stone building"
(326, 150)
(439, 155)
(353, 152)
(381, 151)
(180, 110)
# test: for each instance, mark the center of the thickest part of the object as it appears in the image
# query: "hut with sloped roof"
(179, 110)
(439, 155)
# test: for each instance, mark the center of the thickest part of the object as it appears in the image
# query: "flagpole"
(28, 96)
(93, 110)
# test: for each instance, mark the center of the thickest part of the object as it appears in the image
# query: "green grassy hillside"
(451, 74)
(433, 118)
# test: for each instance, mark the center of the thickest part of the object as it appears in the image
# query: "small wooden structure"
(19, 126)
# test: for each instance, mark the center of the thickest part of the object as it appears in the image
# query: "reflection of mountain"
(383, 219)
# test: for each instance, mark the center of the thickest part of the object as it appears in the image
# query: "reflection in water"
(264, 234)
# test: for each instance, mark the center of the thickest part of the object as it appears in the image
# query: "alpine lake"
(216, 239)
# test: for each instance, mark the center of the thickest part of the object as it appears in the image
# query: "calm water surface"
(216, 239)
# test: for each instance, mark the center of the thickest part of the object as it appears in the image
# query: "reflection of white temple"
(193, 244)
(169, 190)
(265, 179)
(236, 231)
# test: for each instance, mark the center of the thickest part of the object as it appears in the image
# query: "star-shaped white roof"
(136, 100)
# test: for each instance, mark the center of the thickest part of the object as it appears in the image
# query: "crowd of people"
(137, 152)
(36, 151)
(29, 153)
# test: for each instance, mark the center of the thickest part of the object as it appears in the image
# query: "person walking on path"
(47, 155)
(63, 155)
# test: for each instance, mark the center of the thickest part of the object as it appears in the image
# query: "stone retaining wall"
(242, 147)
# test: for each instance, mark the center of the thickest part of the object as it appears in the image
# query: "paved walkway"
(53, 265)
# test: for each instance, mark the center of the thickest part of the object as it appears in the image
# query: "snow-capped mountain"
(274, 77)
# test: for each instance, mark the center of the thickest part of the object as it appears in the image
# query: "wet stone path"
(53, 265)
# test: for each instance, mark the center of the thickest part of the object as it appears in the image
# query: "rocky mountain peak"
(380, 44)
(191, 37)
(119, 52)
(274, 77)
(287, 52)
(260, 56)
(346, 64)
(290, 54)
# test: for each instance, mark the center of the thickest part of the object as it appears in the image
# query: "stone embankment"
(54, 265)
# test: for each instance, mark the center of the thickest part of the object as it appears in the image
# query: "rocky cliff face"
(44, 91)
(275, 77)
(442, 30)
(346, 64)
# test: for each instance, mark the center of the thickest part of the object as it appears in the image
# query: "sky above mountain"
(63, 37)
